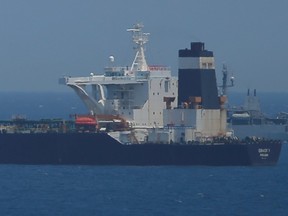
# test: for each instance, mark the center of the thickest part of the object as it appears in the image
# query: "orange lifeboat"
(85, 120)
(85, 123)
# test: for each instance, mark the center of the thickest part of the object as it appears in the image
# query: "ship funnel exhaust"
(197, 78)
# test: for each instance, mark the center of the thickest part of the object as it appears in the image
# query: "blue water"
(120, 190)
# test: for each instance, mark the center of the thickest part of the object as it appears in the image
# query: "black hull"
(101, 149)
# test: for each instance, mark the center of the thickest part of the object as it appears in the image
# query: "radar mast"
(140, 38)
(224, 85)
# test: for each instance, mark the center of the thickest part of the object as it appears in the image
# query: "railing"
(158, 68)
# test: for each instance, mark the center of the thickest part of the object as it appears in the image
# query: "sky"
(41, 41)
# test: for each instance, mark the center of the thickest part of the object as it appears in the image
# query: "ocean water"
(133, 190)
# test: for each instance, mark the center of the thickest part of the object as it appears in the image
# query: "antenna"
(224, 85)
(140, 38)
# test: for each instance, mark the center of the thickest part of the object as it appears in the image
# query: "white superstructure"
(138, 93)
(146, 97)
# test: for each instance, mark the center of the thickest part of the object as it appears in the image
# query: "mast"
(224, 85)
(140, 38)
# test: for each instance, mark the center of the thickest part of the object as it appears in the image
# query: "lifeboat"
(85, 123)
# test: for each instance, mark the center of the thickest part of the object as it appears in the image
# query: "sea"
(29, 190)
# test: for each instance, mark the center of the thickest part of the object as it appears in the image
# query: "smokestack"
(196, 76)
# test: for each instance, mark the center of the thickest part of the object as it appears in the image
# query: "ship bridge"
(137, 93)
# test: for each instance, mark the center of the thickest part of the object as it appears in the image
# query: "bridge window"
(166, 86)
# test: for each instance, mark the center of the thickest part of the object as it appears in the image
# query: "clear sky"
(41, 41)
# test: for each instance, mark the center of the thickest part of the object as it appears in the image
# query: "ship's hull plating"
(101, 149)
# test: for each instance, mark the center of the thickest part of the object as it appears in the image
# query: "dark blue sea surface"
(153, 190)
(133, 190)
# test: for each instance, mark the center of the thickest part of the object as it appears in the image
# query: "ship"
(140, 115)
(249, 119)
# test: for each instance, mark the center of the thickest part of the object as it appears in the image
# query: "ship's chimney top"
(197, 78)
(197, 47)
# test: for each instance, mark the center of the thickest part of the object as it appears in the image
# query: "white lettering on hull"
(264, 152)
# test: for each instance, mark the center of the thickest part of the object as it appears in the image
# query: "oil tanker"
(140, 115)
